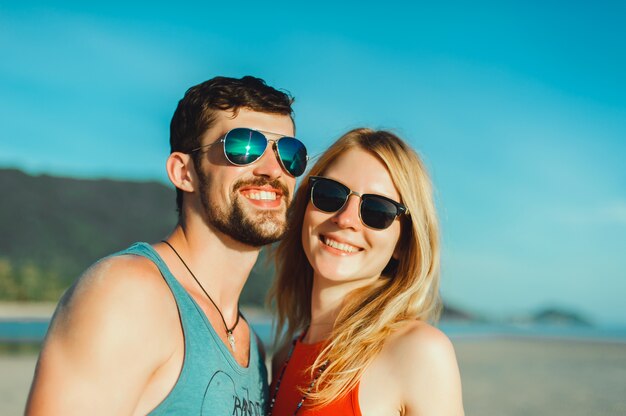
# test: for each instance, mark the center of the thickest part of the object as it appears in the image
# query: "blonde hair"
(407, 290)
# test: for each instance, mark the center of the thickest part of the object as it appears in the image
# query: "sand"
(518, 376)
(16, 374)
(501, 377)
(26, 310)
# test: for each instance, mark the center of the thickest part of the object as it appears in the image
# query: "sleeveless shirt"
(297, 377)
(210, 382)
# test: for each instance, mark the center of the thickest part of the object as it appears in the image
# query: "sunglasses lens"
(328, 196)
(377, 212)
(292, 155)
(244, 146)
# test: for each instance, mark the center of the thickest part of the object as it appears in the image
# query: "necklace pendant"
(231, 340)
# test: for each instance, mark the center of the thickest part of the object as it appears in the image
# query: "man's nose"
(269, 165)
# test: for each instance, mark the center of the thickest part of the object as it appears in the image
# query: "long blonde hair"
(407, 290)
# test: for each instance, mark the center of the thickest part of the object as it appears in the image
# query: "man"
(156, 328)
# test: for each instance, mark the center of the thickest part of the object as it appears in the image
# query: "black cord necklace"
(229, 331)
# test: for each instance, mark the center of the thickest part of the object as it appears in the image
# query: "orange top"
(296, 377)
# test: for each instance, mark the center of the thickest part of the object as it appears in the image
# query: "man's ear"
(181, 171)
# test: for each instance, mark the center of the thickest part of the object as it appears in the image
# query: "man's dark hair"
(195, 113)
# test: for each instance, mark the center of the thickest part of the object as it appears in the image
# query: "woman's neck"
(327, 299)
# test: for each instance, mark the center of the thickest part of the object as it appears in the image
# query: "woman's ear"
(403, 240)
(181, 171)
(398, 248)
(396, 252)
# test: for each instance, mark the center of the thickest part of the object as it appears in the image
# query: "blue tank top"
(211, 382)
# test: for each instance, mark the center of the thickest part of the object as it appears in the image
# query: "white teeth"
(262, 195)
(340, 246)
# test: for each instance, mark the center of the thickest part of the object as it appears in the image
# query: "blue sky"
(519, 110)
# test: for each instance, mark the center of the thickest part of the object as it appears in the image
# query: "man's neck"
(220, 264)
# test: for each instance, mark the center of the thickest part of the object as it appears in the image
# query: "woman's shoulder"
(423, 360)
(417, 346)
(419, 340)
(414, 373)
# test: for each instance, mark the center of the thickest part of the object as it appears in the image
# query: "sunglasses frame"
(400, 208)
(267, 142)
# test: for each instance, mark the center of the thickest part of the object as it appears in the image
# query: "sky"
(517, 108)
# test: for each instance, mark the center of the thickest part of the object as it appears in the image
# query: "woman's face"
(338, 246)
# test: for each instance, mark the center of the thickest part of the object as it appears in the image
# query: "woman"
(358, 278)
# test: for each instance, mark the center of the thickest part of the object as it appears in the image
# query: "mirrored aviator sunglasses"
(244, 146)
(376, 211)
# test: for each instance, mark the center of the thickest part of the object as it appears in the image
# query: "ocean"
(34, 330)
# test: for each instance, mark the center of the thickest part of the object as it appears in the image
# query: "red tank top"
(297, 377)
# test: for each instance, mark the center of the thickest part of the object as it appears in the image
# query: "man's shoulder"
(113, 329)
(126, 275)
(125, 289)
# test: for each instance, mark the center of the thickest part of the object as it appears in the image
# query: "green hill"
(53, 228)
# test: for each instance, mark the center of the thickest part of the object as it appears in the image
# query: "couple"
(156, 329)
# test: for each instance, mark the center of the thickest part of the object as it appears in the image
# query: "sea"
(16, 331)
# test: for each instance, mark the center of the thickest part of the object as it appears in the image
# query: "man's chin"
(267, 228)
(253, 227)
(272, 232)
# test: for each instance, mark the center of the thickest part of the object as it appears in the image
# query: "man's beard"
(264, 228)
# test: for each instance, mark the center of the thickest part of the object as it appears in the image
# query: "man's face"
(248, 203)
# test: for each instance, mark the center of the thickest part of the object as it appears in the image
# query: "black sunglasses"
(376, 211)
(244, 146)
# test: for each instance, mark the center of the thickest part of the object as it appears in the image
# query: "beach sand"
(501, 377)
(16, 374)
(521, 377)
